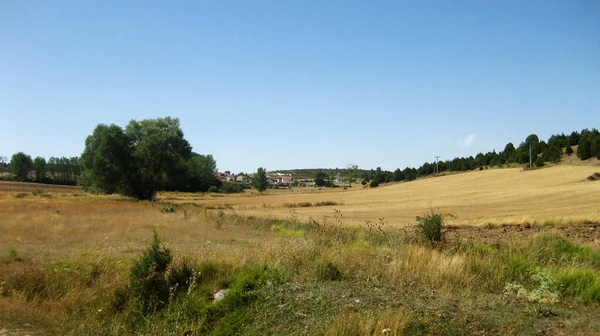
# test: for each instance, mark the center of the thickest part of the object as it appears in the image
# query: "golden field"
(66, 257)
(559, 194)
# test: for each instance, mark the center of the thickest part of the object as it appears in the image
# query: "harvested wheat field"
(559, 194)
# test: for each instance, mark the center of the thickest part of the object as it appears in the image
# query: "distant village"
(274, 178)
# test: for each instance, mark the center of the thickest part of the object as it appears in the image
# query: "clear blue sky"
(300, 84)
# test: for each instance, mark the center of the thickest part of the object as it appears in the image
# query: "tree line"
(542, 152)
(55, 170)
(152, 155)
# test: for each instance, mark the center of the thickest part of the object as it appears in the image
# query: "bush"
(569, 150)
(213, 189)
(374, 184)
(430, 226)
(232, 188)
(152, 280)
(594, 177)
(539, 162)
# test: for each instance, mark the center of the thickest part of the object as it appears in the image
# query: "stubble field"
(558, 194)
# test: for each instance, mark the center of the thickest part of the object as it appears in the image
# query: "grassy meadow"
(520, 257)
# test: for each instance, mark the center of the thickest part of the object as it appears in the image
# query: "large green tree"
(147, 156)
(260, 180)
(320, 179)
(39, 164)
(20, 165)
(584, 150)
(201, 173)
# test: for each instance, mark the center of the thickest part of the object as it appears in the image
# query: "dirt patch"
(588, 233)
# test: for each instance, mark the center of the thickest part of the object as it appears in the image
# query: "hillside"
(498, 196)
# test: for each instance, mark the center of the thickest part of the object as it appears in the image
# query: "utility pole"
(437, 165)
(530, 165)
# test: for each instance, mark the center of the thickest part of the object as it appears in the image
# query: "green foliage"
(148, 284)
(595, 147)
(557, 250)
(320, 179)
(260, 180)
(539, 162)
(573, 139)
(20, 165)
(431, 225)
(552, 154)
(540, 287)
(584, 150)
(147, 156)
(232, 188)
(583, 284)
(213, 189)
(200, 174)
(39, 164)
(374, 184)
(328, 271)
(569, 150)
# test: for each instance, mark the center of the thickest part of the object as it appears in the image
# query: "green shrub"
(232, 188)
(153, 281)
(539, 162)
(213, 189)
(569, 150)
(373, 184)
(430, 226)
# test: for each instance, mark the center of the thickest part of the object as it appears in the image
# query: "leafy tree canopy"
(147, 156)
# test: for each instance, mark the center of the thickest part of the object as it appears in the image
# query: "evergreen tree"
(584, 150)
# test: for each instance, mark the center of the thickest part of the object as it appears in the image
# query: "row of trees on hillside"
(145, 157)
(56, 170)
(587, 143)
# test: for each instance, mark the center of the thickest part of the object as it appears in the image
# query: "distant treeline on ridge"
(152, 155)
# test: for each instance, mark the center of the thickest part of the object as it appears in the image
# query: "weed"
(543, 289)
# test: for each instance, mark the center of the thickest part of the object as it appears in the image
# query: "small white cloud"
(468, 141)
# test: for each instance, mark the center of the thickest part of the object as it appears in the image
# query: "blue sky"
(300, 84)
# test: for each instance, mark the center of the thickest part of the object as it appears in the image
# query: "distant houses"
(274, 178)
(229, 177)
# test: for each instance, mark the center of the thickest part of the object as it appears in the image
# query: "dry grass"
(557, 194)
(64, 255)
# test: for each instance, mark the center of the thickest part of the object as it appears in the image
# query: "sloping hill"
(558, 194)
